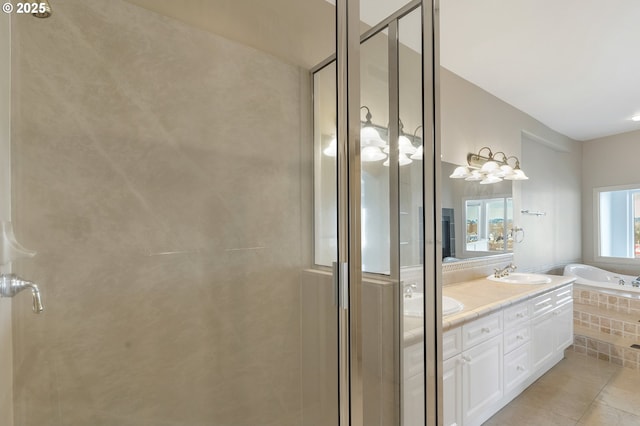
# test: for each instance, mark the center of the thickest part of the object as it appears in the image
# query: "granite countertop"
(481, 297)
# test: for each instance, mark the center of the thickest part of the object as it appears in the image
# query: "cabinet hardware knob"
(486, 330)
(520, 337)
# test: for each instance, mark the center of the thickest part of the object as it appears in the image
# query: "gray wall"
(608, 161)
(553, 188)
(157, 171)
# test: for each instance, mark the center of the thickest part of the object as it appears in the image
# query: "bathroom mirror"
(477, 220)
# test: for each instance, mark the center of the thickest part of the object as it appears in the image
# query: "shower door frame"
(350, 391)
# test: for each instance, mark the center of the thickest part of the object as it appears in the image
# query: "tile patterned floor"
(579, 390)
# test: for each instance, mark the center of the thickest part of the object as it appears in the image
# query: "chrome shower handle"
(37, 300)
(11, 284)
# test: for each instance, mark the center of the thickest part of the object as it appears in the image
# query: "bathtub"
(596, 277)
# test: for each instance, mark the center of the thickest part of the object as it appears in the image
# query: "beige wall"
(6, 361)
(473, 118)
(553, 188)
(157, 171)
(608, 161)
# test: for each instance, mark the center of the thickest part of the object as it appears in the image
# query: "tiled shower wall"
(157, 173)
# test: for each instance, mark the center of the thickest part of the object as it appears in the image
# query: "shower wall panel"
(157, 171)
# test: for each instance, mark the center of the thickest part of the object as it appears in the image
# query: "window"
(618, 222)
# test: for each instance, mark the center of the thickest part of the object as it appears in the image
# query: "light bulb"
(331, 150)
(460, 172)
(371, 153)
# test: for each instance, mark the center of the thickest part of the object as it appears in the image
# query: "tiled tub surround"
(606, 324)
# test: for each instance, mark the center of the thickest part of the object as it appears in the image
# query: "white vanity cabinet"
(482, 367)
(482, 380)
(517, 348)
(552, 326)
(564, 314)
(489, 361)
(452, 376)
(472, 370)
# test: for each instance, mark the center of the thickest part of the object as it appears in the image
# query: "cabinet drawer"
(516, 337)
(541, 304)
(517, 367)
(517, 314)
(413, 360)
(481, 329)
(563, 295)
(451, 343)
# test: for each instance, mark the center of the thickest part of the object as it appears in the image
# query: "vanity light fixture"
(419, 154)
(331, 149)
(370, 140)
(515, 173)
(489, 168)
(374, 148)
(405, 148)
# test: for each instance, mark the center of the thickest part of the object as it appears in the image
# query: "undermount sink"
(521, 278)
(414, 307)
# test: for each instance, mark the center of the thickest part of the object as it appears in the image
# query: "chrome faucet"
(11, 284)
(636, 282)
(503, 272)
(409, 289)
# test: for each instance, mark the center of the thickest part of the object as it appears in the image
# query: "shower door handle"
(11, 284)
(341, 284)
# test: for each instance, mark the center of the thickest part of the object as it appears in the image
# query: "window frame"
(597, 246)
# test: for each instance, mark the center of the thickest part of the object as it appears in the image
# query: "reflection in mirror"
(477, 220)
(374, 93)
(488, 225)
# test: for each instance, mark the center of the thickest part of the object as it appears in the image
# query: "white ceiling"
(571, 64)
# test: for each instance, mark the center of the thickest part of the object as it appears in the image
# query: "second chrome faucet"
(503, 272)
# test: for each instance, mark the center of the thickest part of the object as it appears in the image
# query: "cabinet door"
(452, 391)
(482, 380)
(544, 341)
(564, 326)
(517, 367)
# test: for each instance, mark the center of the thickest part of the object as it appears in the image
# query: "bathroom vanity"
(501, 343)
(505, 338)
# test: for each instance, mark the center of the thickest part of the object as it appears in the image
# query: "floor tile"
(578, 390)
(522, 414)
(604, 415)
